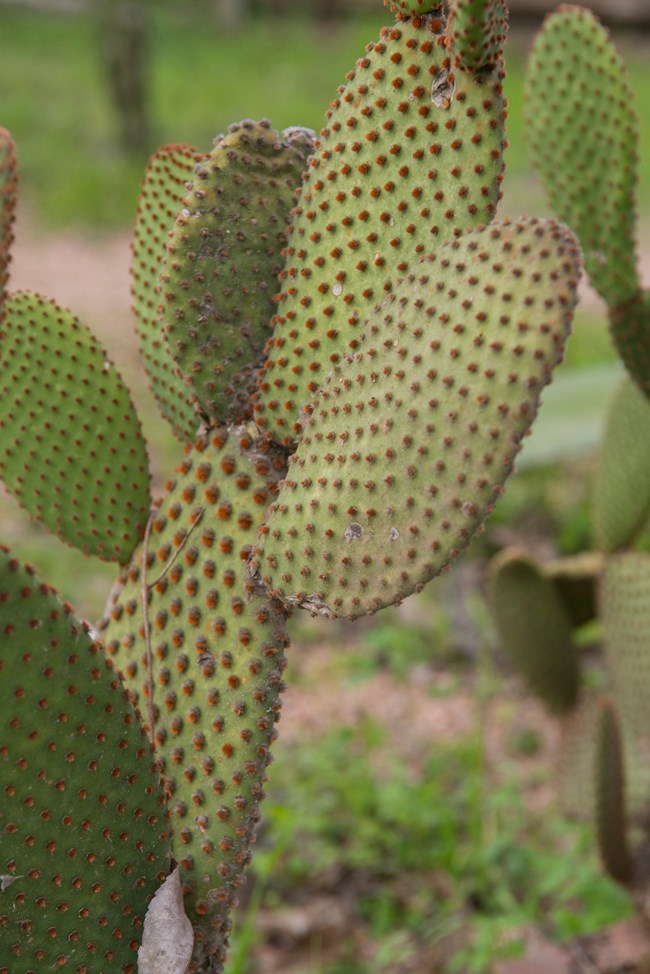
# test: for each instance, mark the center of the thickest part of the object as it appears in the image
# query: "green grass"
(423, 852)
(55, 102)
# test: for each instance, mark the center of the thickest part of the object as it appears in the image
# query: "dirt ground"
(91, 276)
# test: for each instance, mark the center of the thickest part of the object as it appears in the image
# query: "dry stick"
(145, 588)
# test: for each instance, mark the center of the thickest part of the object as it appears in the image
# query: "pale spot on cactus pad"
(412, 437)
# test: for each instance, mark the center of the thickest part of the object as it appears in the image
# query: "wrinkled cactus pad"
(8, 186)
(217, 651)
(84, 835)
(412, 152)
(621, 497)
(477, 31)
(163, 187)
(223, 257)
(582, 129)
(535, 629)
(71, 446)
(408, 444)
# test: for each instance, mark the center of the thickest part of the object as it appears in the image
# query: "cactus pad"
(71, 447)
(583, 133)
(575, 579)
(535, 629)
(409, 442)
(625, 614)
(621, 500)
(411, 153)
(223, 258)
(162, 190)
(8, 184)
(611, 817)
(217, 650)
(84, 836)
(630, 327)
(477, 31)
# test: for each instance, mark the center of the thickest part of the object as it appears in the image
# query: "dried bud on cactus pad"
(71, 446)
(84, 836)
(217, 654)
(223, 258)
(410, 440)
(163, 188)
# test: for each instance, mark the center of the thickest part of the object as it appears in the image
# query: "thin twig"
(145, 588)
(200, 513)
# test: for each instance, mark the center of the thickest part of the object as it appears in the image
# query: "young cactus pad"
(223, 259)
(71, 445)
(412, 152)
(409, 442)
(535, 629)
(216, 647)
(477, 31)
(84, 836)
(163, 187)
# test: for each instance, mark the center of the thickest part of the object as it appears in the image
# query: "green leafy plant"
(574, 75)
(338, 453)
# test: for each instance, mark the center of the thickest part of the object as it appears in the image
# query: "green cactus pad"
(582, 130)
(8, 188)
(477, 30)
(84, 833)
(162, 190)
(621, 500)
(611, 816)
(408, 444)
(535, 629)
(217, 650)
(223, 259)
(575, 579)
(71, 447)
(625, 614)
(408, 7)
(630, 328)
(411, 154)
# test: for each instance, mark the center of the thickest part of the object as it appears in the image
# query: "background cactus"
(589, 172)
(406, 328)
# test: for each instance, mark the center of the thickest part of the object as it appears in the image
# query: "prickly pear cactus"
(535, 629)
(84, 833)
(409, 442)
(73, 451)
(611, 817)
(583, 132)
(411, 154)
(8, 187)
(408, 355)
(223, 259)
(161, 192)
(205, 665)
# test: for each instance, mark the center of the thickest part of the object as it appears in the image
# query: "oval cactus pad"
(410, 155)
(223, 257)
(216, 646)
(477, 31)
(408, 444)
(71, 447)
(163, 187)
(582, 129)
(84, 835)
